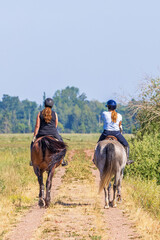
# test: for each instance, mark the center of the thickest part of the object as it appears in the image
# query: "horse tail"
(108, 166)
(57, 149)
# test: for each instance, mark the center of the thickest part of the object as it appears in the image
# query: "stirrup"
(64, 163)
(30, 164)
(129, 162)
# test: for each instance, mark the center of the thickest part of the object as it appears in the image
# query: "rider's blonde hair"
(114, 116)
(47, 114)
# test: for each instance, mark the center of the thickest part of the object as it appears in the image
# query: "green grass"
(15, 172)
(81, 141)
(79, 168)
(18, 183)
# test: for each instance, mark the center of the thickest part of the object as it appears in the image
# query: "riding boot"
(64, 163)
(127, 152)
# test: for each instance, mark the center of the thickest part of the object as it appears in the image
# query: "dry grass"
(145, 222)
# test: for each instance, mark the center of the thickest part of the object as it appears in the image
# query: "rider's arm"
(56, 120)
(120, 126)
(37, 125)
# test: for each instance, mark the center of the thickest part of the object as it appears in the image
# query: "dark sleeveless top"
(47, 128)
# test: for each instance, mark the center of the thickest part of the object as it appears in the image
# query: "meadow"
(19, 186)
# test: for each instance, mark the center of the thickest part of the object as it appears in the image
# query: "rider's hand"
(121, 129)
(34, 138)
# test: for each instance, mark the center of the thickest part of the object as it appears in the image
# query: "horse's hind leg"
(119, 198)
(117, 177)
(41, 202)
(48, 186)
(109, 193)
(106, 198)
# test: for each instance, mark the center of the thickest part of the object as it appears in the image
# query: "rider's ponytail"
(114, 116)
(47, 114)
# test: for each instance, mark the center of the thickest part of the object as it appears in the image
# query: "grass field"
(19, 186)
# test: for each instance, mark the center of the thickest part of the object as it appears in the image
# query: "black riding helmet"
(111, 104)
(49, 102)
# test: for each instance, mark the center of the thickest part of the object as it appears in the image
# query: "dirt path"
(120, 227)
(32, 220)
(76, 213)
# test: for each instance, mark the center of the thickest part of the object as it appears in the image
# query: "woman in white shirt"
(113, 126)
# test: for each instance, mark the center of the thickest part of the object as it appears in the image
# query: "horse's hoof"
(41, 202)
(106, 207)
(114, 206)
(47, 205)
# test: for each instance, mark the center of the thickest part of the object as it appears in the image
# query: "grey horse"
(110, 158)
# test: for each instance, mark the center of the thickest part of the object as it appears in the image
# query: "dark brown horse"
(47, 154)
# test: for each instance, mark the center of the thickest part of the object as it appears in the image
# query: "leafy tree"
(17, 116)
(147, 108)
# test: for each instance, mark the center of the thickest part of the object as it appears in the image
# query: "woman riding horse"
(46, 124)
(113, 126)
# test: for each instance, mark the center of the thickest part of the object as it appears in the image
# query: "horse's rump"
(47, 151)
(110, 158)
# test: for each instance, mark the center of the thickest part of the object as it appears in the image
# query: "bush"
(146, 154)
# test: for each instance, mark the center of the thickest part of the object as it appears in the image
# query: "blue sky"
(105, 48)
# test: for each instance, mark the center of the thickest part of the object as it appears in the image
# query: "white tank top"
(108, 124)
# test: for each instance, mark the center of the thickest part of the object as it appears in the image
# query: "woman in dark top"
(46, 124)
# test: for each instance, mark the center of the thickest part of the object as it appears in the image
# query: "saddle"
(109, 137)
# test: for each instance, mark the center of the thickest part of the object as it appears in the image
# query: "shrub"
(146, 154)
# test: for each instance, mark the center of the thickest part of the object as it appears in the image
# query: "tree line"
(75, 113)
(17, 116)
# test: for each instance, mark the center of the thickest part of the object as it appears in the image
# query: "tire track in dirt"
(25, 229)
(119, 226)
